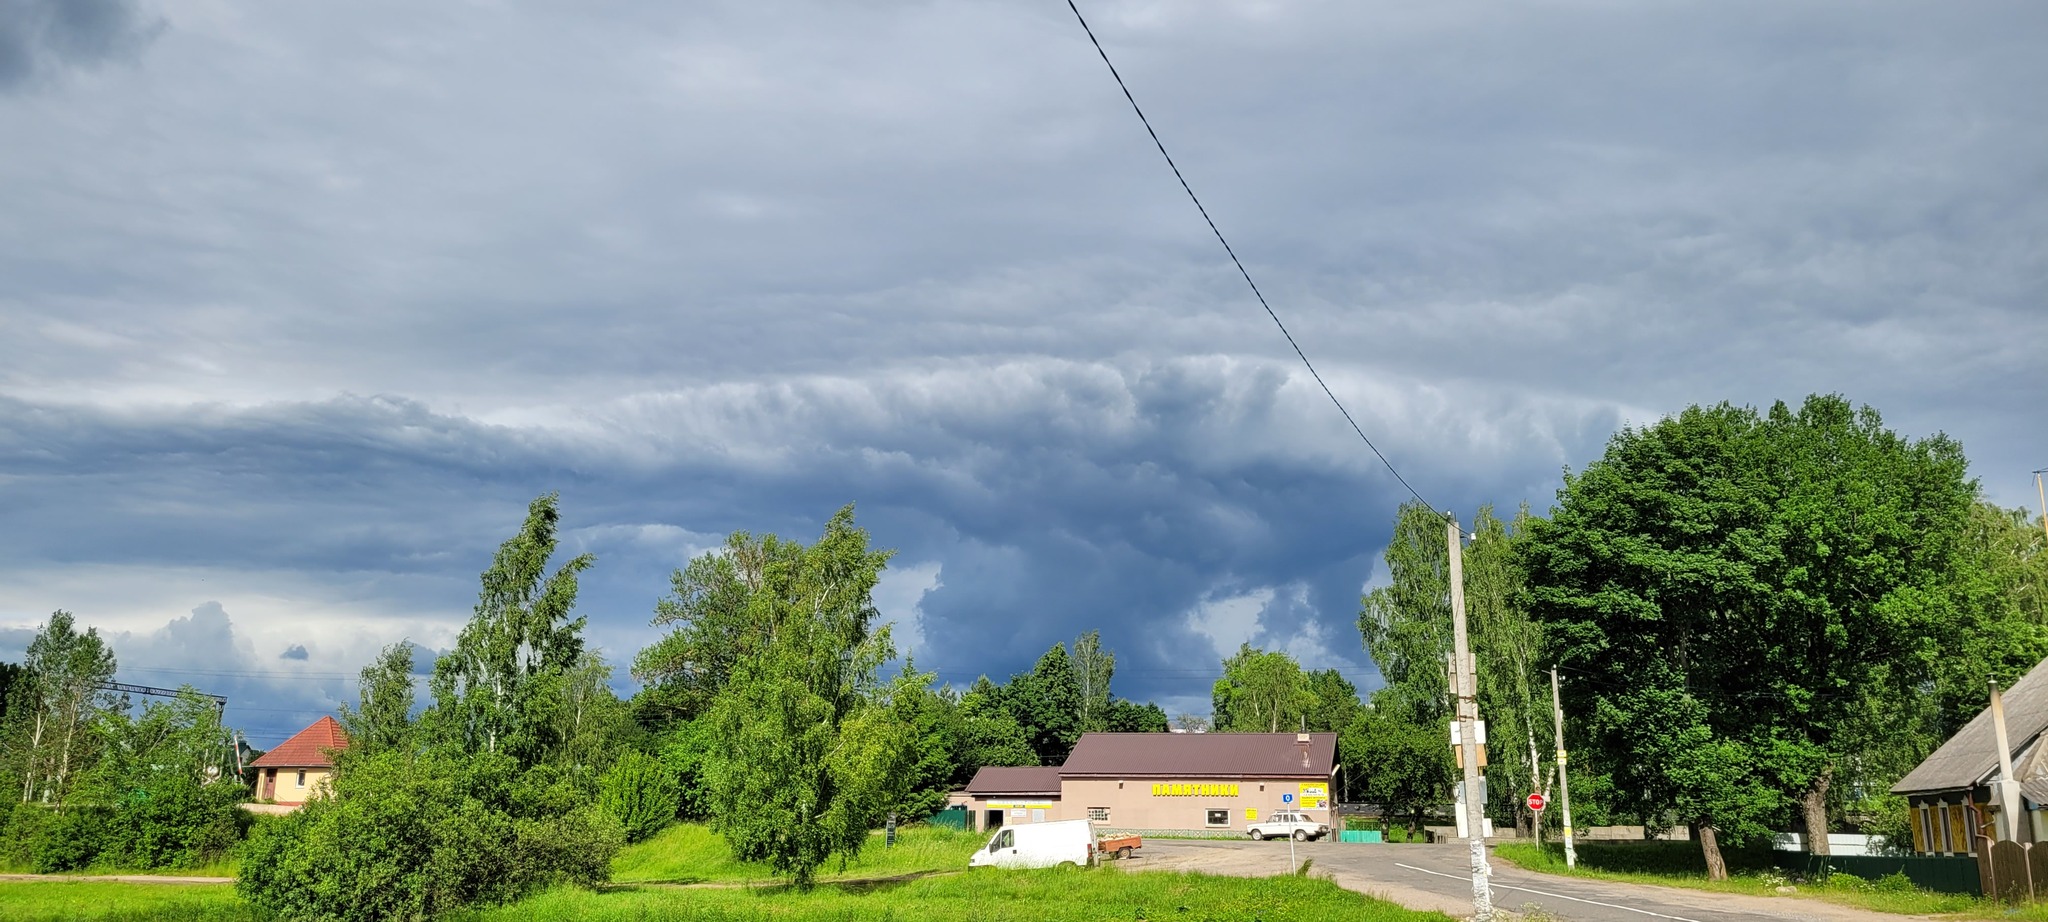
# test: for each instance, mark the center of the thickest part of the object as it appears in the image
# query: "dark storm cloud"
(296, 651)
(38, 37)
(731, 265)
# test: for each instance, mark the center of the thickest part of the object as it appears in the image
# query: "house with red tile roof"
(298, 769)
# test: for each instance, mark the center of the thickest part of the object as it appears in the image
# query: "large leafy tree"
(1730, 588)
(1406, 624)
(811, 754)
(1047, 703)
(501, 688)
(1261, 691)
(989, 734)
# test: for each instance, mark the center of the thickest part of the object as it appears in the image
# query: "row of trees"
(1760, 618)
(99, 782)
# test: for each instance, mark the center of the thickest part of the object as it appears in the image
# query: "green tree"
(1047, 703)
(1127, 716)
(989, 734)
(501, 687)
(1403, 766)
(1093, 667)
(1261, 691)
(1406, 624)
(174, 803)
(50, 736)
(811, 755)
(1732, 587)
(383, 718)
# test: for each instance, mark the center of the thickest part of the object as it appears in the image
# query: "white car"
(1285, 823)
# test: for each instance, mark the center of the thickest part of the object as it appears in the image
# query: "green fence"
(950, 818)
(1941, 875)
(1360, 835)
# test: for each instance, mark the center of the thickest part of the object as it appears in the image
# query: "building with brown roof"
(1201, 783)
(298, 769)
(1952, 794)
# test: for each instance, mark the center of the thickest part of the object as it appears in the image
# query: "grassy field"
(689, 853)
(1749, 873)
(982, 896)
(97, 901)
(1091, 895)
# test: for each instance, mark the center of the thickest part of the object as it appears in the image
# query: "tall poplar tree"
(50, 735)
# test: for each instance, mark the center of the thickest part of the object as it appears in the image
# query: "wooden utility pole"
(2009, 814)
(1468, 728)
(1564, 783)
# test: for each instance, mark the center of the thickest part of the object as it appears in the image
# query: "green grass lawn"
(1653, 865)
(105, 901)
(1092, 895)
(689, 853)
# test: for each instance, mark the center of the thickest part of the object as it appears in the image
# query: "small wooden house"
(1952, 794)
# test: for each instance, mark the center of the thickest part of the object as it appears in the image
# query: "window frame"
(1210, 815)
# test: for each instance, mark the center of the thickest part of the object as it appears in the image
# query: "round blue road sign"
(1286, 798)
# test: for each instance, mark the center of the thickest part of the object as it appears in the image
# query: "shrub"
(21, 829)
(408, 837)
(641, 793)
(176, 822)
(71, 840)
(1895, 882)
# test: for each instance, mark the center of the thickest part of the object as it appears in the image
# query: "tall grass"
(1092, 895)
(107, 901)
(691, 853)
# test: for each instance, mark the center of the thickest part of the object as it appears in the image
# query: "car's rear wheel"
(1301, 835)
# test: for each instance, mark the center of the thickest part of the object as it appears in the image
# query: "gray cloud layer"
(301, 309)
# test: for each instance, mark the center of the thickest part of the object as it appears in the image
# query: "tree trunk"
(1813, 806)
(1710, 846)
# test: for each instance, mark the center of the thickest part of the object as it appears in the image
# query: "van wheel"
(1301, 835)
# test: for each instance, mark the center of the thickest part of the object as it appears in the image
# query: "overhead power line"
(1237, 262)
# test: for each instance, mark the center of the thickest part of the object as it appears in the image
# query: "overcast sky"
(301, 303)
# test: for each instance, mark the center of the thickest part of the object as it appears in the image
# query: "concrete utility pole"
(2038, 491)
(2009, 814)
(1564, 783)
(1468, 728)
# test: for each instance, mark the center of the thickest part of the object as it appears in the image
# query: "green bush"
(410, 836)
(176, 822)
(20, 831)
(641, 792)
(1895, 882)
(71, 840)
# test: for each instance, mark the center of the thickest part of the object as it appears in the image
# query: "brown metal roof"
(1201, 755)
(994, 780)
(1970, 757)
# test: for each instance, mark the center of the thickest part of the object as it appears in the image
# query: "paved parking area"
(1438, 877)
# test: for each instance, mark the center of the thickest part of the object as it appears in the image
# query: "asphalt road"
(1439, 877)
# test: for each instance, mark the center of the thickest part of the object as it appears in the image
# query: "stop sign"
(1537, 802)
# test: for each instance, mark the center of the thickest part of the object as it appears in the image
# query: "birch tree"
(59, 698)
(496, 691)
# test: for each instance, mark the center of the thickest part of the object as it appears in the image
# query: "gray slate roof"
(1970, 757)
(996, 781)
(1202, 755)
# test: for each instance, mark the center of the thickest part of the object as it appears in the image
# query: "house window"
(1099, 814)
(302, 777)
(1219, 817)
(1923, 825)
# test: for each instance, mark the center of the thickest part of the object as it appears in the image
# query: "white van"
(1039, 845)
